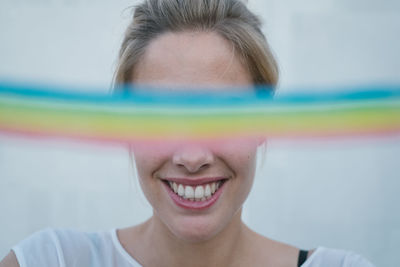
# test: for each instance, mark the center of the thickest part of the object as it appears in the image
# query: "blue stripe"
(246, 96)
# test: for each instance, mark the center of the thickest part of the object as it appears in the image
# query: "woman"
(196, 189)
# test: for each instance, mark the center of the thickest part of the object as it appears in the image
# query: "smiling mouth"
(196, 193)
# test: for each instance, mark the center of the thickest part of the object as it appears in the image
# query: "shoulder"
(38, 248)
(58, 247)
(336, 258)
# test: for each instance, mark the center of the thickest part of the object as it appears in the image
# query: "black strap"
(302, 257)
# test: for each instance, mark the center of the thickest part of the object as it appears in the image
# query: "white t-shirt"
(65, 248)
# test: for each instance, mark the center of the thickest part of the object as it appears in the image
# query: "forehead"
(191, 59)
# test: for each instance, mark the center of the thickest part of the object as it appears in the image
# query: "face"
(195, 188)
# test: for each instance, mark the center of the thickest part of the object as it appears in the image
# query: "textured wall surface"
(333, 193)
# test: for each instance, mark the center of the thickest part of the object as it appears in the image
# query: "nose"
(193, 158)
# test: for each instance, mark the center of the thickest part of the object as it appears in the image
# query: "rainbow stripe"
(151, 116)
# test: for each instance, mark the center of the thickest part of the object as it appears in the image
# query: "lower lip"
(195, 205)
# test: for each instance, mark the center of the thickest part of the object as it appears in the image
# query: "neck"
(165, 249)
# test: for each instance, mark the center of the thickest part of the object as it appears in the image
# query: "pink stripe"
(378, 133)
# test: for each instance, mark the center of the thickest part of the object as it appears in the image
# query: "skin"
(216, 236)
(10, 260)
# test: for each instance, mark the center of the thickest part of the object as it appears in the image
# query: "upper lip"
(194, 181)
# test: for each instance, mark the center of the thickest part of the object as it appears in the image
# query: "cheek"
(150, 186)
(147, 160)
(149, 157)
(241, 157)
(245, 173)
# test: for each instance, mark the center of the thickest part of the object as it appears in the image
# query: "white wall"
(336, 193)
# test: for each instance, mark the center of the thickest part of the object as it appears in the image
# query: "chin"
(195, 228)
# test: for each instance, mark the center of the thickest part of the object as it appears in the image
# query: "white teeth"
(195, 193)
(189, 192)
(199, 192)
(207, 191)
(181, 190)
(213, 188)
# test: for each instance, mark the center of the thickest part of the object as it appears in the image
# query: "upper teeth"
(199, 192)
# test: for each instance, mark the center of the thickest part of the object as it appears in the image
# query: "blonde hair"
(229, 18)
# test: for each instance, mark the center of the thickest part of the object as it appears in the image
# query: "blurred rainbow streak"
(111, 118)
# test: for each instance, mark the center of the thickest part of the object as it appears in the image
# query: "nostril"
(204, 166)
(193, 168)
(193, 158)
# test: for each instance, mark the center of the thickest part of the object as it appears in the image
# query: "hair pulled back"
(231, 19)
